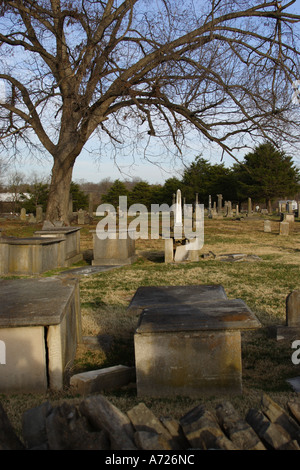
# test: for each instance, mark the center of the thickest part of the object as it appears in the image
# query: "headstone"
(220, 197)
(290, 218)
(249, 207)
(178, 211)
(80, 217)
(267, 226)
(283, 228)
(169, 250)
(229, 209)
(39, 214)
(293, 309)
(181, 254)
(23, 214)
(237, 210)
(32, 219)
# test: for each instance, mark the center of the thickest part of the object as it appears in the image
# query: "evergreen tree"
(116, 190)
(267, 173)
(80, 199)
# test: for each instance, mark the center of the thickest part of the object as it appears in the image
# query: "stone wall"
(96, 424)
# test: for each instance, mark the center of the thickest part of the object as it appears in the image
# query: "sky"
(89, 167)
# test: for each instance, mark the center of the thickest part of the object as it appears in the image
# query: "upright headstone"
(23, 214)
(229, 209)
(39, 214)
(249, 207)
(293, 309)
(178, 212)
(267, 226)
(220, 197)
(80, 217)
(283, 228)
(209, 207)
(32, 219)
(237, 212)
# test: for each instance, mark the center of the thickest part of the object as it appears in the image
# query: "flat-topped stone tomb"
(191, 349)
(31, 255)
(116, 250)
(40, 326)
(72, 241)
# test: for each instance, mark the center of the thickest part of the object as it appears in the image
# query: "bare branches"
(218, 68)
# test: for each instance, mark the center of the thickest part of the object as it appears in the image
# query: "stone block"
(25, 368)
(293, 309)
(267, 226)
(71, 235)
(191, 350)
(237, 429)
(30, 255)
(99, 380)
(290, 218)
(202, 430)
(283, 228)
(181, 254)
(40, 324)
(169, 250)
(114, 251)
(103, 415)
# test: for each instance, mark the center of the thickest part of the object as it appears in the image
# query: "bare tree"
(128, 68)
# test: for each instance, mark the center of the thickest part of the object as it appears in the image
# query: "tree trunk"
(269, 205)
(58, 201)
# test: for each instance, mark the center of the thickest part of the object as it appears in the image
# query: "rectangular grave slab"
(40, 326)
(161, 296)
(32, 255)
(191, 350)
(72, 241)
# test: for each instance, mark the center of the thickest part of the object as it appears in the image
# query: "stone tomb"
(32, 255)
(72, 241)
(116, 251)
(40, 327)
(189, 344)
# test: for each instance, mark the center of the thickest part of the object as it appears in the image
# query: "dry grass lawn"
(263, 284)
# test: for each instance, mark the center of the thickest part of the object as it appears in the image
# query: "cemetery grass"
(263, 284)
